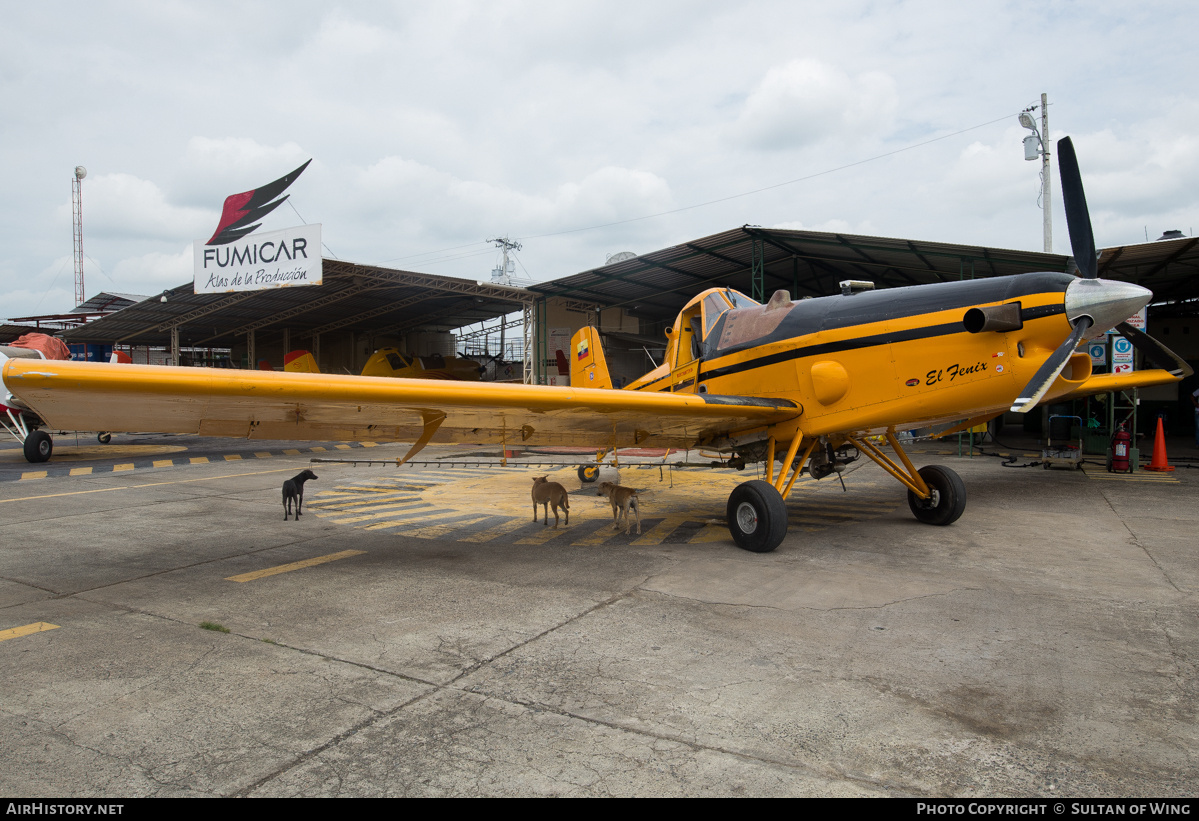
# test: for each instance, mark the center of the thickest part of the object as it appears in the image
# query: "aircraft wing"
(306, 406)
(1106, 382)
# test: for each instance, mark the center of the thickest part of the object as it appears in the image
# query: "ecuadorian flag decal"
(582, 350)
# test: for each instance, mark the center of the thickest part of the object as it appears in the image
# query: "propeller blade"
(1078, 218)
(1049, 371)
(1155, 352)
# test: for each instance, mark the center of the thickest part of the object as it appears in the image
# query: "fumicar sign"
(230, 261)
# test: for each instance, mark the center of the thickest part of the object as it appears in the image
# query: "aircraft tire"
(103, 437)
(949, 493)
(38, 446)
(588, 473)
(757, 516)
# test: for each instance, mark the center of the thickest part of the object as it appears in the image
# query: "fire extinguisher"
(1120, 450)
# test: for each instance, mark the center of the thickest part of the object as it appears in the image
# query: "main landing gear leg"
(936, 494)
(37, 443)
(757, 513)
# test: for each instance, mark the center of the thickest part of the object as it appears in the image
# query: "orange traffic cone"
(1159, 450)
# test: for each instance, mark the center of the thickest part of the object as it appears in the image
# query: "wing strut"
(910, 478)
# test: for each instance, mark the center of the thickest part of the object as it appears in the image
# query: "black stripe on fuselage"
(908, 335)
(810, 316)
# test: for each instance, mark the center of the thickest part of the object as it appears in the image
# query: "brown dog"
(623, 499)
(549, 493)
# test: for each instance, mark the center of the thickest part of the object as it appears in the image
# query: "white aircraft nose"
(1105, 301)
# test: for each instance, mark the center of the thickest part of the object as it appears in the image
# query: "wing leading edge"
(303, 406)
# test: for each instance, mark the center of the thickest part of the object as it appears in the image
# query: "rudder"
(588, 367)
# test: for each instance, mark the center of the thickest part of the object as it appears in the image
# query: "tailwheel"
(38, 446)
(588, 473)
(948, 498)
(757, 516)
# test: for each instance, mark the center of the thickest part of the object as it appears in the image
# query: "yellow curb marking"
(232, 457)
(28, 629)
(81, 471)
(119, 468)
(34, 474)
(287, 568)
(147, 484)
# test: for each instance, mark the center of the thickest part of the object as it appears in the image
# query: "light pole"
(1037, 144)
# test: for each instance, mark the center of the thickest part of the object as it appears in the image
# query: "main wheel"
(588, 473)
(38, 446)
(948, 498)
(757, 516)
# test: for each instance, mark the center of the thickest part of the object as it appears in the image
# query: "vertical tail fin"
(300, 362)
(588, 367)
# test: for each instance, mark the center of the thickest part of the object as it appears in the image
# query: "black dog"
(293, 488)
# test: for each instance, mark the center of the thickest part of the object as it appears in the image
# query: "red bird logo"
(249, 206)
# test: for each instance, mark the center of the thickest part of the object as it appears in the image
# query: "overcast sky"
(438, 125)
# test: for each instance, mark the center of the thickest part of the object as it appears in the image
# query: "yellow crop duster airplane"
(796, 383)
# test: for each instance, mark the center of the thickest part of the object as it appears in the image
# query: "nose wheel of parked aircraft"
(947, 497)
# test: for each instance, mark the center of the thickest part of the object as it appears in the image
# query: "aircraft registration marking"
(287, 568)
(27, 630)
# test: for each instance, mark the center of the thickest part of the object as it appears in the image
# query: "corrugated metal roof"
(353, 297)
(807, 263)
(1166, 267)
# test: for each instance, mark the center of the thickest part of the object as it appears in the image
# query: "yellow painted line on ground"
(711, 533)
(292, 452)
(497, 531)
(81, 471)
(661, 530)
(263, 454)
(163, 463)
(342, 447)
(317, 450)
(390, 510)
(27, 630)
(232, 457)
(34, 474)
(287, 568)
(441, 531)
(367, 511)
(122, 467)
(358, 505)
(198, 460)
(439, 513)
(369, 444)
(548, 532)
(146, 484)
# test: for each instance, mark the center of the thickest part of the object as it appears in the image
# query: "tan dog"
(623, 499)
(549, 493)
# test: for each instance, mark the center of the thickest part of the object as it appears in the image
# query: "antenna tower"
(505, 245)
(77, 220)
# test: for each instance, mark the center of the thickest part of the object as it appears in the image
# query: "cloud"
(419, 200)
(122, 206)
(212, 169)
(154, 272)
(807, 101)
